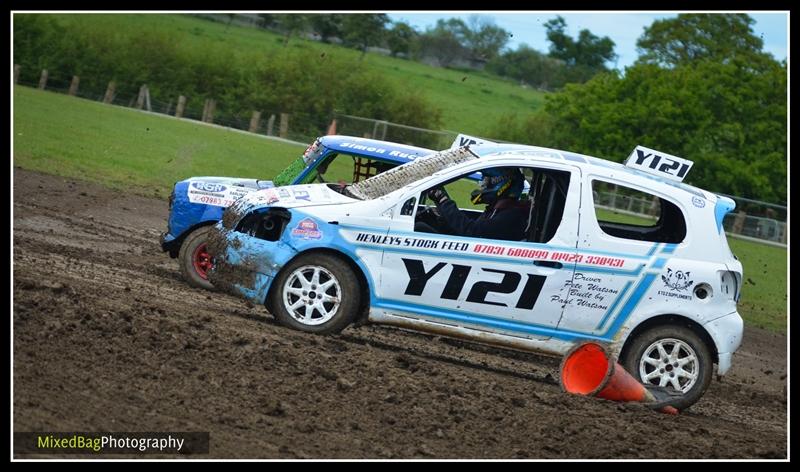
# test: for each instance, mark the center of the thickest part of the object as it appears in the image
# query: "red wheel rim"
(202, 261)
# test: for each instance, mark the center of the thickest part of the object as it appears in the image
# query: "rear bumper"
(727, 334)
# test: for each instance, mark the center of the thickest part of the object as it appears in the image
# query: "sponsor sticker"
(215, 194)
(678, 282)
(302, 195)
(489, 249)
(698, 202)
(307, 229)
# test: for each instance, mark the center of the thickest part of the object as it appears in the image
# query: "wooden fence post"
(738, 222)
(73, 87)
(181, 105)
(43, 79)
(270, 124)
(654, 208)
(255, 120)
(17, 67)
(140, 98)
(284, 128)
(147, 98)
(109, 97)
(212, 106)
(208, 110)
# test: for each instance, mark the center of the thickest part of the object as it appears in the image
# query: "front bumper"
(166, 241)
(727, 334)
(245, 266)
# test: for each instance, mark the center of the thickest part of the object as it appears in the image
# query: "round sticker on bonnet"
(698, 202)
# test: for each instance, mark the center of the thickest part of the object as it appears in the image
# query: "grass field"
(146, 154)
(471, 101)
(764, 301)
(124, 148)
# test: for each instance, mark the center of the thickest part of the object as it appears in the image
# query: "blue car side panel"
(186, 214)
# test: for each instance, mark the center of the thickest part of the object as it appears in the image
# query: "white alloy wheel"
(669, 362)
(311, 295)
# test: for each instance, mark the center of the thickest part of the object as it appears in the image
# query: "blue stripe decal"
(614, 305)
(653, 249)
(669, 248)
(488, 321)
(524, 244)
(723, 207)
(632, 302)
(659, 264)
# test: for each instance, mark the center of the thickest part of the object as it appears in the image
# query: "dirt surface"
(107, 337)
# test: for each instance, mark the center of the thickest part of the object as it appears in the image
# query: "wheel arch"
(364, 284)
(174, 246)
(671, 319)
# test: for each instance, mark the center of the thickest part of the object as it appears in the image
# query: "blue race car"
(197, 203)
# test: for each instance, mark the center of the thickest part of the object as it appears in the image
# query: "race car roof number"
(467, 140)
(659, 163)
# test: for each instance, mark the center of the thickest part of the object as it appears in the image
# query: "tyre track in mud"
(108, 337)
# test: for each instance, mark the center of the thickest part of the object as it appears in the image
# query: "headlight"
(267, 225)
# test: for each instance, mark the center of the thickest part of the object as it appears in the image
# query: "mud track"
(107, 337)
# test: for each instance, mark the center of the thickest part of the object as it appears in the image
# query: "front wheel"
(316, 293)
(194, 260)
(671, 356)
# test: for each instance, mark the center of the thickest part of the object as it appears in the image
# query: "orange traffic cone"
(332, 127)
(588, 370)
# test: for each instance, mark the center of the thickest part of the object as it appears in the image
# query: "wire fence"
(295, 125)
(394, 132)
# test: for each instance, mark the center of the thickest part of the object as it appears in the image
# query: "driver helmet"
(500, 182)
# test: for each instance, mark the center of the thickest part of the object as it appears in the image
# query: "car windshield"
(399, 177)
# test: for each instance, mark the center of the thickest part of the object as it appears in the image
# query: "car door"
(510, 287)
(623, 245)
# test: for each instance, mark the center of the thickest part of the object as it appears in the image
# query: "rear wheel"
(673, 357)
(316, 293)
(194, 260)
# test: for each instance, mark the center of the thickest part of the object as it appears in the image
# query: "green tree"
(364, 30)
(268, 20)
(588, 50)
(400, 38)
(483, 38)
(729, 119)
(694, 36)
(530, 67)
(326, 25)
(292, 24)
(445, 42)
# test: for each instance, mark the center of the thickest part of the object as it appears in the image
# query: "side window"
(408, 207)
(532, 211)
(348, 168)
(627, 213)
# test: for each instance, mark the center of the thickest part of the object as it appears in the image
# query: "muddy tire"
(315, 293)
(194, 259)
(671, 356)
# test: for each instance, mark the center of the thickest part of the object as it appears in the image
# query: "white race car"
(660, 290)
